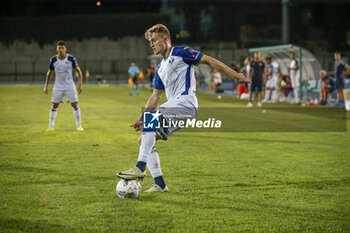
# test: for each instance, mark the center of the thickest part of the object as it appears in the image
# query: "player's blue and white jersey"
(275, 69)
(293, 65)
(63, 71)
(269, 70)
(175, 74)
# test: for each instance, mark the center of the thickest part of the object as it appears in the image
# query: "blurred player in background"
(294, 76)
(133, 75)
(276, 73)
(272, 69)
(267, 90)
(175, 77)
(63, 65)
(151, 73)
(215, 85)
(327, 86)
(242, 88)
(141, 77)
(340, 70)
(257, 75)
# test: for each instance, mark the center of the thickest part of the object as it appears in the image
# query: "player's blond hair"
(323, 72)
(158, 28)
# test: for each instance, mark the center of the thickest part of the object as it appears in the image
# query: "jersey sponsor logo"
(192, 123)
(151, 120)
(186, 48)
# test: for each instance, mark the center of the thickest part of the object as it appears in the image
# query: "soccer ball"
(128, 189)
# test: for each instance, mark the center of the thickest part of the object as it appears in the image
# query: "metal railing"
(117, 70)
(34, 72)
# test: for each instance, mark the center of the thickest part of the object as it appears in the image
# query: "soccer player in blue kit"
(63, 64)
(174, 76)
(340, 69)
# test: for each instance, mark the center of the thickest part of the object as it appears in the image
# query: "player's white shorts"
(295, 81)
(182, 108)
(58, 96)
(271, 83)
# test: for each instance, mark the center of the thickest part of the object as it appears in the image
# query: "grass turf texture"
(64, 181)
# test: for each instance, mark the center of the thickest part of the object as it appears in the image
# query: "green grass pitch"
(64, 181)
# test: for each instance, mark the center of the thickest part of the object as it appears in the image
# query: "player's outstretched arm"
(80, 79)
(216, 64)
(151, 105)
(47, 81)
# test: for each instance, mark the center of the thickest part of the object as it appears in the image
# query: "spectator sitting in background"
(215, 84)
(242, 89)
(236, 67)
(285, 86)
(327, 86)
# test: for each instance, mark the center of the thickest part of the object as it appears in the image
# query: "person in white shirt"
(217, 80)
(273, 72)
(63, 64)
(175, 77)
(294, 76)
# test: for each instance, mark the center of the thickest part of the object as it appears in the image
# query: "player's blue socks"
(137, 90)
(141, 165)
(131, 90)
(159, 181)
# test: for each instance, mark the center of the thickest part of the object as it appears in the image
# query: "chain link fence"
(35, 72)
(115, 71)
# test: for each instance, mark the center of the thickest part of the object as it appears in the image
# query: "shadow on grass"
(309, 184)
(248, 139)
(27, 169)
(25, 225)
(226, 200)
(61, 177)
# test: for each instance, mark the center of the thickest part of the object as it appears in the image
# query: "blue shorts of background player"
(339, 83)
(256, 84)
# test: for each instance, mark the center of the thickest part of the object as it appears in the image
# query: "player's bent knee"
(74, 105)
(55, 105)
